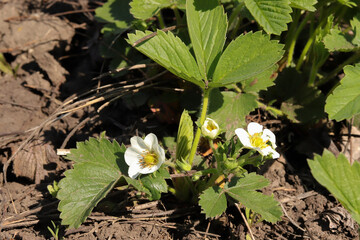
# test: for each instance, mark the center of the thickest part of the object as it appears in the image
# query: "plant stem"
(348, 61)
(177, 16)
(294, 38)
(201, 122)
(161, 21)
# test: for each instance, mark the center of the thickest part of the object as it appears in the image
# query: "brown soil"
(46, 45)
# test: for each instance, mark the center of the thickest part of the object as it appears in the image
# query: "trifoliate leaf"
(229, 109)
(99, 164)
(170, 52)
(243, 190)
(213, 201)
(340, 178)
(343, 103)
(207, 26)
(185, 136)
(144, 9)
(272, 15)
(245, 57)
(304, 4)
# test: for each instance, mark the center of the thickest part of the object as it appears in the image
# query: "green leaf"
(116, 14)
(338, 41)
(151, 184)
(247, 56)
(229, 109)
(144, 9)
(156, 183)
(243, 190)
(207, 26)
(185, 136)
(99, 164)
(260, 82)
(213, 201)
(170, 52)
(355, 25)
(304, 4)
(272, 15)
(340, 178)
(5, 67)
(343, 103)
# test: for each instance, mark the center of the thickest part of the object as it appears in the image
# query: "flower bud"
(183, 165)
(210, 128)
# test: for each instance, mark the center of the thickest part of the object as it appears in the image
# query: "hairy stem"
(201, 122)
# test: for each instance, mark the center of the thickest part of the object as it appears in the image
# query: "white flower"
(144, 156)
(210, 128)
(256, 138)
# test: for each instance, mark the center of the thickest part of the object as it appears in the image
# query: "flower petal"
(148, 170)
(133, 171)
(254, 127)
(269, 136)
(138, 143)
(269, 150)
(151, 141)
(244, 137)
(132, 155)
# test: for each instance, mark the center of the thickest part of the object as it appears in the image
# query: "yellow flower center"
(257, 141)
(210, 126)
(148, 160)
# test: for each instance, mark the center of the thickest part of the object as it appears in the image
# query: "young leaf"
(229, 109)
(272, 15)
(207, 26)
(243, 190)
(213, 201)
(99, 164)
(343, 103)
(245, 57)
(170, 52)
(185, 136)
(144, 9)
(304, 4)
(340, 178)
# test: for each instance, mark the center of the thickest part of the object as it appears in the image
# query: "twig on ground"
(299, 197)
(290, 219)
(77, 127)
(246, 223)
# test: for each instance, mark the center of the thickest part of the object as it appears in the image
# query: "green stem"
(295, 37)
(161, 21)
(201, 122)
(177, 16)
(235, 13)
(352, 59)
